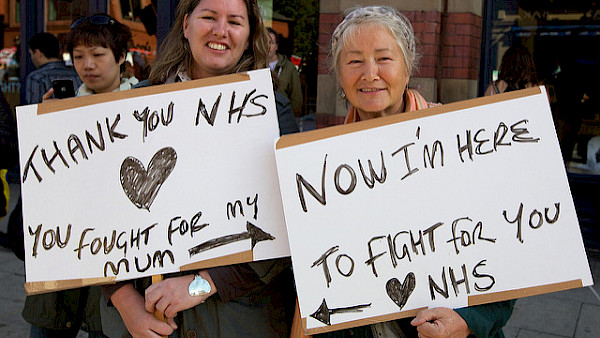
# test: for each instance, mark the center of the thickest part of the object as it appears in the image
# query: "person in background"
(98, 45)
(517, 71)
(211, 38)
(8, 159)
(45, 54)
(288, 79)
(373, 54)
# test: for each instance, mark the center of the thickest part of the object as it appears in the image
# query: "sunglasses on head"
(96, 19)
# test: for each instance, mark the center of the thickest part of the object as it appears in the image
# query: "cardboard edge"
(472, 300)
(82, 101)
(34, 288)
(524, 292)
(360, 322)
(236, 258)
(291, 140)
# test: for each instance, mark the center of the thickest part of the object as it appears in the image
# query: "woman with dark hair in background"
(517, 71)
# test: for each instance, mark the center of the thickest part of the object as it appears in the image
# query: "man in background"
(45, 54)
(287, 75)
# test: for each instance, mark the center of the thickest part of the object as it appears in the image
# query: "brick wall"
(427, 27)
(462, 48)
(327, 24)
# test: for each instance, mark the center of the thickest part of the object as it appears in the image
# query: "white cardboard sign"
(150, 181)
(457, 205)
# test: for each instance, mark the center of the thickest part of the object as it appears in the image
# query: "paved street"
(572, 313)
(12, 293)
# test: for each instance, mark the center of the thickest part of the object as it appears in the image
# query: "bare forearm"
(139, 322)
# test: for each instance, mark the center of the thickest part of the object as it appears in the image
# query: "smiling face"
(218, 32)
(97, 68)
(372, 72)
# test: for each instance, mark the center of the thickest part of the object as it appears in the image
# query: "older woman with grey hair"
(373, 54)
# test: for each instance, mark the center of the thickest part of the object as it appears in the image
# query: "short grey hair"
(388, 17)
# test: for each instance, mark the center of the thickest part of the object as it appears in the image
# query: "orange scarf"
(412, 101)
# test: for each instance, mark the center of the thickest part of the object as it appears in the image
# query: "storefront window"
(131, 9)
(64, 10)
(559, 35)
(14, 10)
(555, 32)
(17, 12)
(298, 23)
(266, 10)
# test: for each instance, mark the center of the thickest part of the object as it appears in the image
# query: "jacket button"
(69, 324)
(191, 334)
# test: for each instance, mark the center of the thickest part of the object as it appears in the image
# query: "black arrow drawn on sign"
(324, 313)
(254, 233)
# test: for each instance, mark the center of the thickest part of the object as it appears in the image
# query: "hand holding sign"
(440, 322)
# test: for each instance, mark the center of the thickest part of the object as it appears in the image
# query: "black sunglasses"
(96, 19)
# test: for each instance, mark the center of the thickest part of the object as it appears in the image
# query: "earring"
(343, 95)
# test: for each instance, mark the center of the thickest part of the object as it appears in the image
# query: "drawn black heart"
(141, 186)
(400, 292)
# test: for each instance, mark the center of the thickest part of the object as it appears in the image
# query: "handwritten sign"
(150, 181)
(457, 205)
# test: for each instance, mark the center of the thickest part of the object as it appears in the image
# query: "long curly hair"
(175, 50)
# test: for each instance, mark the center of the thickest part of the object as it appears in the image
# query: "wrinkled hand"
(139, 322)
(171, 295)
(440, 322)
